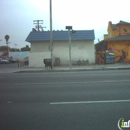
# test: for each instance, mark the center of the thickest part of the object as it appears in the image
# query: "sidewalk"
(27, 69)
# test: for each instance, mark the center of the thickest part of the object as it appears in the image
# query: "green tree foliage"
(25, 48)
(4, 48)
(14, 49)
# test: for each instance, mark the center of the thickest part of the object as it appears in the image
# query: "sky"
(16, 17)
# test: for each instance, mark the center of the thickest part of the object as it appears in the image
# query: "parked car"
(4, 61)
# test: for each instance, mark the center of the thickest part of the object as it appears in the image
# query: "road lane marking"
(89, 102)
(89, 82)
(63, 75)
(9, 102)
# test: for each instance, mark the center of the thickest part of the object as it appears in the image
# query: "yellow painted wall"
(112, 32)
(105, 36)
(122, 27)
(121, 50)
(119, 30)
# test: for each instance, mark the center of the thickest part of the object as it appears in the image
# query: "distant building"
(3, 54)
(82, 47)
(15, 55)
(19, 55)
(117, 41)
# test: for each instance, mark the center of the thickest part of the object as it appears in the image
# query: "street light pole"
(8, 48)
(69, 28)
(69, 48)
(51, 35)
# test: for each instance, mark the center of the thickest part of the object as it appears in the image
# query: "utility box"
(109, 58)
(57, 61)
(47, 62)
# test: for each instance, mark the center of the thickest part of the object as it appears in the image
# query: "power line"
(38, 26)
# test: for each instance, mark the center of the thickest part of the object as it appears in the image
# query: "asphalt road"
(90, 100)
(9, 65)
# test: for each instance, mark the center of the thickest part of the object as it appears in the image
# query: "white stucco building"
(82, 47)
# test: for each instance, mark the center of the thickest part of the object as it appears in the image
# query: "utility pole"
(51, 35)
(70, 28)
(70, 48)
(38, 22)
(15, 47)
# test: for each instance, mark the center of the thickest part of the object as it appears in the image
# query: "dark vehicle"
(11, 60)
(48, 63)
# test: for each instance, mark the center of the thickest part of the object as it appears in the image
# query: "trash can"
(48, 63)
(109, 58)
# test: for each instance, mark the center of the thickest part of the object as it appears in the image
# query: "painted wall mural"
(100, 59)
(121, 51)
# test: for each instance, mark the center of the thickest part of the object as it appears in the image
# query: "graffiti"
(121, 51)
(80, 62)
(105, 58)
(122, 57)
(100, 59)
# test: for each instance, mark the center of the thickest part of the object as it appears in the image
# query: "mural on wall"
(19, 55)
(119, 47)
(100, 59)
(100, 51)
(121, 51)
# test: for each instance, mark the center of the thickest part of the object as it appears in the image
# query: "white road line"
(89, 102)
(55, 83)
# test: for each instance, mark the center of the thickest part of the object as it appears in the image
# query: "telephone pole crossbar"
(38, 22)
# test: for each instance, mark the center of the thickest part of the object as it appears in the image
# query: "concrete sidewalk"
(27, 69)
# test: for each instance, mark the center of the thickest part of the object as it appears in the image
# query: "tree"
(4, 48)
(25, 48)
(14, 50)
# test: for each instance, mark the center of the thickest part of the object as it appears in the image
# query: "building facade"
(82, 47)
(117, 41)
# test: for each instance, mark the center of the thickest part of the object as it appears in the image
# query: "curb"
(67, 70)
(123, 68)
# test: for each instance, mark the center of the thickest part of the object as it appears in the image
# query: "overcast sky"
(16, 16)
